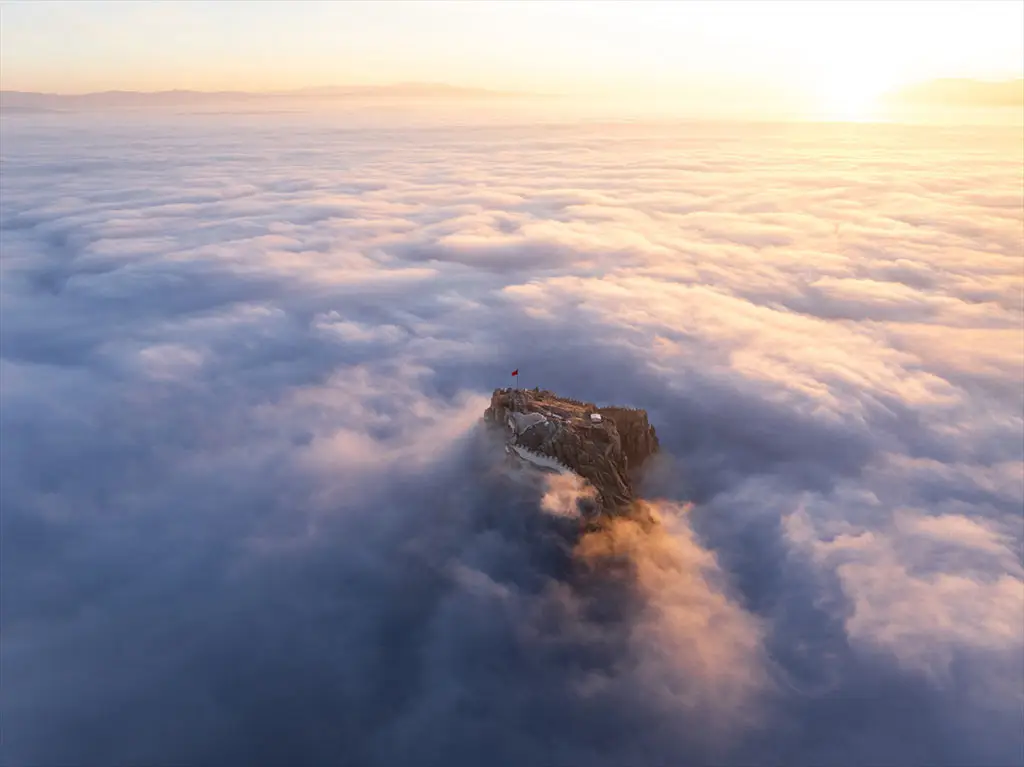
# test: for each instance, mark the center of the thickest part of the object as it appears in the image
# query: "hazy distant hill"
(960, 93)
(29, 101)
(409, 90)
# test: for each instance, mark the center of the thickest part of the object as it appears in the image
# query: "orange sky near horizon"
(839, 55)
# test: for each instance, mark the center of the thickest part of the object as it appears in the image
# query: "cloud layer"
(249, 515)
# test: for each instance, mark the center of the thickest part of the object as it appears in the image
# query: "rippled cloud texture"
(249, 515)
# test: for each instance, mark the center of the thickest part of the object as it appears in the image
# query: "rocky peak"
(604, 445)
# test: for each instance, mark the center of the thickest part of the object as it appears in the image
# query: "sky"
(250, 515)
(840, 54)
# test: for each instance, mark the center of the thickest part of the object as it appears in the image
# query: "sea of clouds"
(249, 515)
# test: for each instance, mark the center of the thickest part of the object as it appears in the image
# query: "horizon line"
(305, 90)
(356, 88)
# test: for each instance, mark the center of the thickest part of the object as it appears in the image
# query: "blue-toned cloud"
(250, 514)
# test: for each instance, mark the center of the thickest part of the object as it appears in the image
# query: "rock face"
(604, 445)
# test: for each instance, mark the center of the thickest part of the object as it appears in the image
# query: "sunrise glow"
(828, 60)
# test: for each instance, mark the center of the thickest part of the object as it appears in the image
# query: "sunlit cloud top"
(841, 54)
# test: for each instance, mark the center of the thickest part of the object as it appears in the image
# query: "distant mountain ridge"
(33, 101)
(959, 92)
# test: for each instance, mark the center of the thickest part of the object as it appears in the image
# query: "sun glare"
(851, 93)
(849, 103)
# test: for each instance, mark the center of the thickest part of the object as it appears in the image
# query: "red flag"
(515, 372)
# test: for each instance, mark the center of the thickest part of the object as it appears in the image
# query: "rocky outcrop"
(607, 446)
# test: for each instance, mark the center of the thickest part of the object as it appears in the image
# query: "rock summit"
(606, 446)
